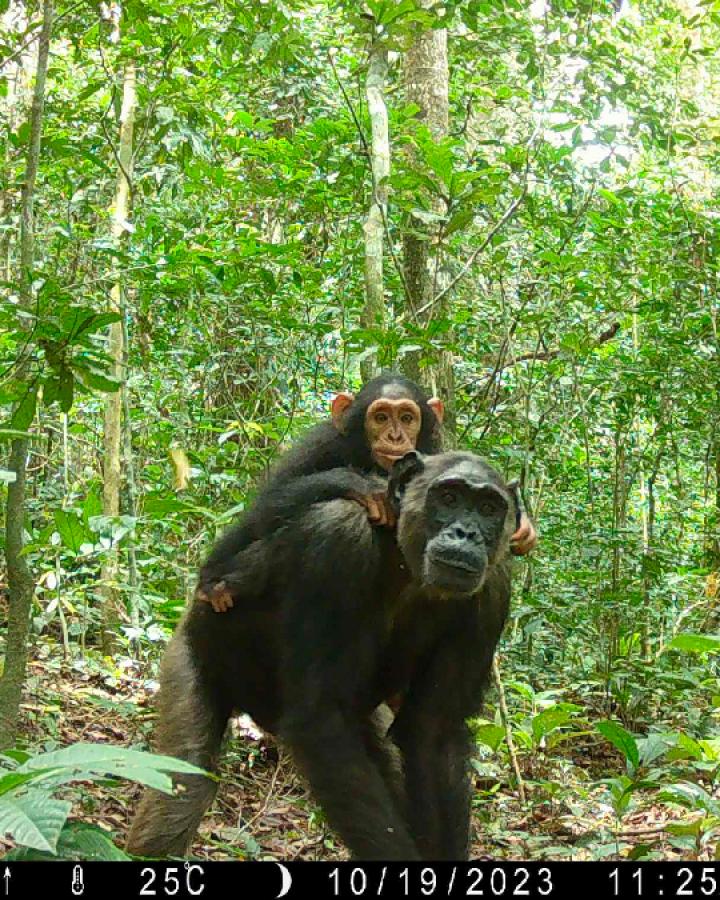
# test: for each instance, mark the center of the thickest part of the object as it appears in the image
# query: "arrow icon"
(6, 876)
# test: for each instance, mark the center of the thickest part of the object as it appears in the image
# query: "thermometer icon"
(77, 885)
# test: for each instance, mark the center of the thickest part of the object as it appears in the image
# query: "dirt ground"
(264, 811)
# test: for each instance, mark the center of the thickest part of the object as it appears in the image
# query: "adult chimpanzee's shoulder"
(330, 511)
(337, 527)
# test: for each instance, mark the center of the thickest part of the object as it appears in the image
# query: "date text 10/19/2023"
(443, 880)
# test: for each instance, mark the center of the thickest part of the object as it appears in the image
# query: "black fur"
(323, 448)
(344, 622)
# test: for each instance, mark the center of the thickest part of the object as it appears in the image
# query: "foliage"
(583, 335)
(35, 819)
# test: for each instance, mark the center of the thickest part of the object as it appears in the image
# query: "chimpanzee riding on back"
(389, 417)
(348, 617)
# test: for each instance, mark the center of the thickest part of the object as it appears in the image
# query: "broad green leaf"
(695, 643)
(490, 735)
(33, 819)
(552, 717)
(97, 380)
(109, 760)
(622, 739)
(13, 780)
(66, 390)
(72, 529)
(24, 413)
(78, 840)
(459, 220)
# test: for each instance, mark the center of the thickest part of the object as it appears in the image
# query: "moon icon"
(286, 880)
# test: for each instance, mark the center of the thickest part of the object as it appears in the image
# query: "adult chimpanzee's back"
(348, 617)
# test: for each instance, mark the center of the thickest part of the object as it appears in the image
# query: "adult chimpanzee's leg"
(432, 734)
(329, 749)
(333, 632)
(435, 751)
(190, 727)
(386, 753)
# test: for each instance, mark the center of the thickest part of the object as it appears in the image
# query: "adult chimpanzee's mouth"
(460, 564)
(453, 574)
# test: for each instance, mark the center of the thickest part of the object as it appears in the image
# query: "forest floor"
(263, 809)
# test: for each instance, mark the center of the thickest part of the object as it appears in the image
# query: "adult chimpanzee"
(350, 616)
(389, 417)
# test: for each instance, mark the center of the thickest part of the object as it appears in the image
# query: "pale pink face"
(392, 422)
(392, 428)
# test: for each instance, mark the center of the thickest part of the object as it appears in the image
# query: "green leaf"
(88, 322)
(91, 507)
(393, 11)
(459, 220)
(33, 819)
(621, 739)
(77, 840)
(490, 735)
(13, 780)
(72, 530)
(96, 380)
(550, 719)
(66, 390)
(51, 390)
(695, 643)
(80, 760)
(25, 411)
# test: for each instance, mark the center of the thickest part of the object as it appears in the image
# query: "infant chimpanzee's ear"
(402, 472)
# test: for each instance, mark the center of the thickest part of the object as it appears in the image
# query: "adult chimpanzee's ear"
(402, 472)
(514, 488)
(438, 407)
(341, 402)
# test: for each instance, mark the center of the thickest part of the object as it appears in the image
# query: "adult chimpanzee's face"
(465, 518)
(392, 426)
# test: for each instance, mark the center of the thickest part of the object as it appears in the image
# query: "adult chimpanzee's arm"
(333, 632)
(431, 729)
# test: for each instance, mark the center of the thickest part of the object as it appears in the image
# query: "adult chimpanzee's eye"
(407, 418)
(449, 498)
(381, 418)
(486, 508)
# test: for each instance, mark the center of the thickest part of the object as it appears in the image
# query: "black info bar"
(275, 880)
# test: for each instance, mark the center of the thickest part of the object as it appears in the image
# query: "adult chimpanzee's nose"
(463, 532)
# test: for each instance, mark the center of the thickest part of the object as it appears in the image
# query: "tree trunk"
(112, 611)
(20, 580)
(644, 617)
(17, 76)
(427, 87)
(374, 313)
